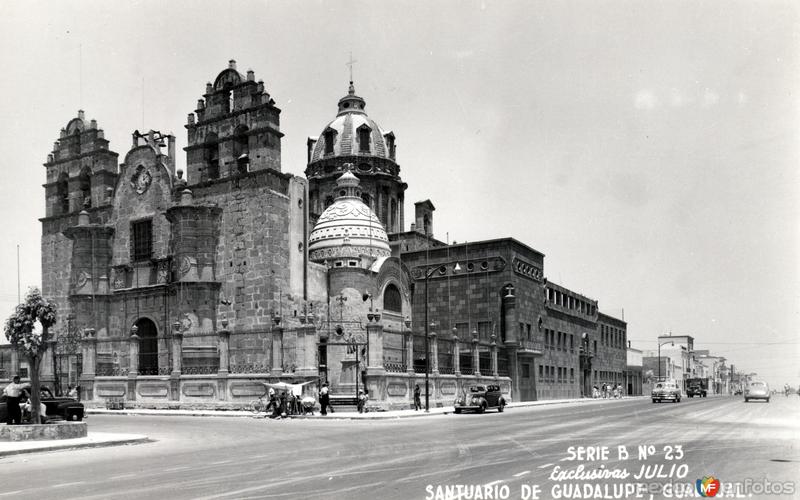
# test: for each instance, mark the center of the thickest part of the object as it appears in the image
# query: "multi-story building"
(193, 286)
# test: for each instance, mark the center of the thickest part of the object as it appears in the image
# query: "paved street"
(221, 458)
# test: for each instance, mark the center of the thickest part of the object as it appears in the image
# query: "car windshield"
(757, 384)
(476, 388)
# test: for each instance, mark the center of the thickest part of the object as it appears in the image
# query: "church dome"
(348, 230)
(353, 133)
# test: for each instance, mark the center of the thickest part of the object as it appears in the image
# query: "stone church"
(190, 285)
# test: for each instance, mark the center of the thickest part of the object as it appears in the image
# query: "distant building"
(633, 372)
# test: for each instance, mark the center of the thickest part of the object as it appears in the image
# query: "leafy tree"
(28, 330)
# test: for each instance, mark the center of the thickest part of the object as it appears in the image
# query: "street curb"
(74, 446)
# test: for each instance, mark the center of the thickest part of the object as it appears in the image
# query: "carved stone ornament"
(141, 179)
(185, 266)
(81, 279)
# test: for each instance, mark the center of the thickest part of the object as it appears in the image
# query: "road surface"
(518, 454)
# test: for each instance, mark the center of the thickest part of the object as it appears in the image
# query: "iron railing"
(394, 366)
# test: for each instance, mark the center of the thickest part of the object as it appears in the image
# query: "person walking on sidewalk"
(325, 399)
(13, 391)
(417, 402)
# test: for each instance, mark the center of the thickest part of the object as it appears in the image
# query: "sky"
(648, 149)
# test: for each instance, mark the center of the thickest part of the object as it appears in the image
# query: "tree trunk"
(35, 361)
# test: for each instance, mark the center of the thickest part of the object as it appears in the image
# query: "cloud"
(676, 98)
(710, 98)
(645, 99)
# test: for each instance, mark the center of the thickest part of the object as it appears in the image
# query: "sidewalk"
(341, 415)
(93, 440)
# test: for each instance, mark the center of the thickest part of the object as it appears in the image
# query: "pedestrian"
(13, 391)
(362, 401)
(417, 402)
(325, 399)
(73, 392)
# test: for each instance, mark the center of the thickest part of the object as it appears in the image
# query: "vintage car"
(58, 408)
(667, 390)
(756, 390)
(480, 399)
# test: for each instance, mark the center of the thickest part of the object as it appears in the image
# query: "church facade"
(190, 286)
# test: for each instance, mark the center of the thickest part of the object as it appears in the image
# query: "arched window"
(241, 149)
(211, 156)
(62, 194)
(85, 186)
(363, 138)
(392, 300)
(75, 144)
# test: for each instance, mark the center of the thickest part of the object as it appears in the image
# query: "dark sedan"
(57, 408)
(480, 399)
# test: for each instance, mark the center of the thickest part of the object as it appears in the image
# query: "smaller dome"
(348, 229)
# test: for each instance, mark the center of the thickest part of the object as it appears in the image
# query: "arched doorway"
(148, 346)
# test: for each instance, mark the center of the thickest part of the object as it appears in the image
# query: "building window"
(363, 139)
(85, 181)
(392, 300)
(463, 331)
(62, 194)
(142, 240)
(484, 329)
(526, 370)
(541, 373)
(241, 149)
(330, 137)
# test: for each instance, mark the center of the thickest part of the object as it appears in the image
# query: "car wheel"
(482, 408)
(458, 410)
(767, 400)
(500, 408)
(746, 400)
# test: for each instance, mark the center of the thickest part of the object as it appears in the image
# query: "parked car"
(480, 399)
(667, 390)
(58, 408)
(756, 390)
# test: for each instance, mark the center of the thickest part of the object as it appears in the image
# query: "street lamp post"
(659, 355)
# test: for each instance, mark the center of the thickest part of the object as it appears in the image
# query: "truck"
(697, 387)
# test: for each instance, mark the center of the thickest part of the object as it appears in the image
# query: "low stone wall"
(61, 430)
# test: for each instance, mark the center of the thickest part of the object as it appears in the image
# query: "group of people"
(284, 404)
(18, 402)
(608, 391)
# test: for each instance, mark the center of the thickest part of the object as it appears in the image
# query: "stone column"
(14, 363)
(277, 351)
(311, 350)
(476, 362)
(133, 364)
(434, 345)
(456, 356)
(224, 351)
(89, 364)
(177, 351)
(494, 355)
(410, 352)
(133, 347)
(375, 351)
(90, 352)
(46, 374)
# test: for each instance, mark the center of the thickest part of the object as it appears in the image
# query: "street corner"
(92, 440)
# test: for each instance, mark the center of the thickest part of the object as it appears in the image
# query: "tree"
(28, 330)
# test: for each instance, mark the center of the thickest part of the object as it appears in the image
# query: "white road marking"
(545, 466)
(67, 484)
(520, 474)
(11, 493)
(489, 485)
(176, 468)
(221, 462)
(123, 476)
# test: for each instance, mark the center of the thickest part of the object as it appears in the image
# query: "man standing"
(13, 391)
(324, 399)
(417, 402)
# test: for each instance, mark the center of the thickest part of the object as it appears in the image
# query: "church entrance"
(148, 346)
